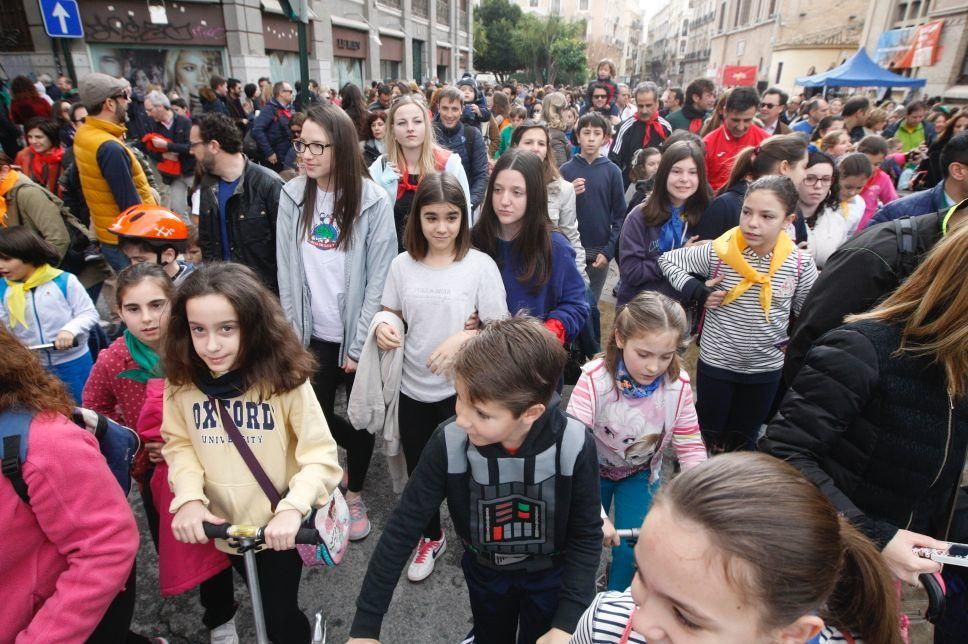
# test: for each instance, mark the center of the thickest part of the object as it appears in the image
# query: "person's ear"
(803, 630)
(619, 340)
(169, 255)
(957, 170)
(784, 167)
(533, 413)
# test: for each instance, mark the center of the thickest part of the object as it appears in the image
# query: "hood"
(295, 188)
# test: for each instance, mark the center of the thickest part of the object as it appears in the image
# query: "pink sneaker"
(423, 562)
(359, 521)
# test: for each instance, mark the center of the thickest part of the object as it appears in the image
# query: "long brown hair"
(656, 209)
(271, 358)
(802, 557)
(25, 383)
(550, 167)
(346, 174)
(932, 308)
(437, 188)
(755, 162)
(648, 312)
(531, 249)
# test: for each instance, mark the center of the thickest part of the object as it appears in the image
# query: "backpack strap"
(907, 260)
(470, 141)
(572, 441)
(14, 430)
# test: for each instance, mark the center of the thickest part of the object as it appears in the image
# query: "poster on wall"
(910, 46)
(180, 71)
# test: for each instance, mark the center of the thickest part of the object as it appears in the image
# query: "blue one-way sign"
(62, 18)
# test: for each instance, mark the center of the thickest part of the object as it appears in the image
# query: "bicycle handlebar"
(49, 346)
(255, 533)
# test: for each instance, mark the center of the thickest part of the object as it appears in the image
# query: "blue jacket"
(918, 203)
(271, 130)
(562, 298)
(601, 208)
(467, 142)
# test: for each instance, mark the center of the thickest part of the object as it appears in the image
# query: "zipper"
(40, 328)
(944, 461)
(954, 499)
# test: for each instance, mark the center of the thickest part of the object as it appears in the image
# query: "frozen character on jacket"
(638, 401)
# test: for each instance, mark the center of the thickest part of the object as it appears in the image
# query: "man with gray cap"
(112, 179)
(167, 146)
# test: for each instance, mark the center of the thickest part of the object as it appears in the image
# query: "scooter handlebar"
(256, 533)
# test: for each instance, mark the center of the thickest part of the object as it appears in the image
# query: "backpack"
(118, 444)
(80, 236)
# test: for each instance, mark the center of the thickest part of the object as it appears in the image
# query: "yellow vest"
(90, 136)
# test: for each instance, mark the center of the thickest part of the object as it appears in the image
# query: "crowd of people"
(202, 270)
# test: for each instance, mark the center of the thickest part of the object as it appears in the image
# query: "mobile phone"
(955, 554)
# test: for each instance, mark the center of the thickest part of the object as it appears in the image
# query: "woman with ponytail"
(877, 417)
(742, 549)
(785, 155)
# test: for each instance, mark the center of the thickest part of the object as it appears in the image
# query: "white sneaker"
(423, 562)
(225, 634)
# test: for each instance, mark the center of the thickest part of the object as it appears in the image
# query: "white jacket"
(376, 395)
(61, 304)
(833, 228)
(564, 215)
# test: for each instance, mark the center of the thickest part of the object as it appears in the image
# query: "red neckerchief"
(40, 164)
(404, 185)
(651, 125)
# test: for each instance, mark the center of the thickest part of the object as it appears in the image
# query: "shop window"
(583, 5)
(418, 64)
(389, 70)
(963, 75)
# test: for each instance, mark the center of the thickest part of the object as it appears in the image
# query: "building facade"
(667, 42)
(180, 44)
(613, 31)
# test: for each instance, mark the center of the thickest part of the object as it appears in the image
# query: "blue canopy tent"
(859, 71)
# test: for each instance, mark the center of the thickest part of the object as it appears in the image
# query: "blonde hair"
(932, 306)
(395, 153)
(554, 104)
(648, 312)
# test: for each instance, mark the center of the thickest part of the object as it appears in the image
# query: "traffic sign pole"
(68, 60)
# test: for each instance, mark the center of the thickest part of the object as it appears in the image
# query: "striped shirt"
(607, 618)
(737, 337)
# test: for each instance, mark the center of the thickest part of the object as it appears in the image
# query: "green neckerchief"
(144, 356)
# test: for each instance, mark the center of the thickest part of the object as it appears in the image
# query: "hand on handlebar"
(187, 522)
(903, 562)
(280, 532)
(64, 340)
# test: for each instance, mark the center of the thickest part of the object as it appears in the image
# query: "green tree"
(551, 48)
(494, 23)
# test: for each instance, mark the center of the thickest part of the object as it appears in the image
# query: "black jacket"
(876, 432)
(722, 213)
(251, 221)
(577, 523)
(866, 269)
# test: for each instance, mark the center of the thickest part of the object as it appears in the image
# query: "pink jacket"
(879, 190)
(181, 566)
(65, 556)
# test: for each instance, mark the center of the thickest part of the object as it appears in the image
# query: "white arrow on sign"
(61, 14)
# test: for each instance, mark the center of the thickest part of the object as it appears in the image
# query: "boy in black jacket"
(521, 483)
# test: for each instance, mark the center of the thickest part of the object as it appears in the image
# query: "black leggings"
(358, 443)
(732, 406)
(418, 420)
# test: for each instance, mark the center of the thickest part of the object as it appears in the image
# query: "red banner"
(737, 75)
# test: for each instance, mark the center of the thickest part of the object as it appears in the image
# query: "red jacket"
(721, 149)
(65, 556)
(181, 566)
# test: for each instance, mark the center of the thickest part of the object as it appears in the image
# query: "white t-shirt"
(325, 266)
(435, 304)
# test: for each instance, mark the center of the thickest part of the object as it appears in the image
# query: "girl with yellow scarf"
(42, 305)
(750, 280)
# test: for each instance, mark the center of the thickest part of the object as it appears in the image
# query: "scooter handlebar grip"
(934, 585)
(307, 536)
(213, 531)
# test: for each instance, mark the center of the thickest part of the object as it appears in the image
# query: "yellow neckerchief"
(730, 246)
(17, 300)
(5, 186)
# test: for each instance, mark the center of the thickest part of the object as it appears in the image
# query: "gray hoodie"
(373, 247)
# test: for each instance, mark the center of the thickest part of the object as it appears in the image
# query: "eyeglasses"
(812, 180)
(81, 120)
(768, 106)
(599, 95)
(192, 144)
(287, 90)
(315, 149)
(125, 95)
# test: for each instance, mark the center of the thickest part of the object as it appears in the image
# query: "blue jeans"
(112, 253)
(633, 496)
(74, 374)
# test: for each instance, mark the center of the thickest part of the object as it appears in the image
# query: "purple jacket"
(638, 260)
